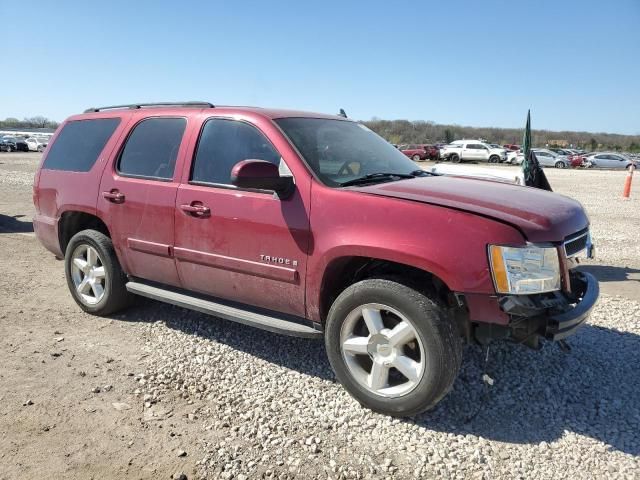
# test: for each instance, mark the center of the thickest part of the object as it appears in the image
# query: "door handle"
(196, 209)
(114, 196)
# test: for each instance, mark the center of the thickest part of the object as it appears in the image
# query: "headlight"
(525, 270)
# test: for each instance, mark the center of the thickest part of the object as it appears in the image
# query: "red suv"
(310, 225)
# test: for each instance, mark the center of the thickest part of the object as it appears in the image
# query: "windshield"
(339, 150)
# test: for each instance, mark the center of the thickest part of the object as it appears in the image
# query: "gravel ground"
(159, 391)
(269, 406)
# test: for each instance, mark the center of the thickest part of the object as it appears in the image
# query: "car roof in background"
(610, 153)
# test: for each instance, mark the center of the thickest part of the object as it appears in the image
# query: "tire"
(9, 149)
(112, 279)
(432, 354)
(416, 158)
(560, 164)
(455, 158)
(494, 159)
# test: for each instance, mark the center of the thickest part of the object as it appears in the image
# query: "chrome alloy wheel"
(382, 350)
(88, 274)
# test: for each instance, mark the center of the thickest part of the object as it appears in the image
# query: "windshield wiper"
(374, 177)
(421, 173)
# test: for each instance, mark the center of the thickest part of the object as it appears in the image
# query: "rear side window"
(222, 144)
(152, 148)
(79, 143)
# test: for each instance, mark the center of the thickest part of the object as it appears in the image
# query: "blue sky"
(576, 64)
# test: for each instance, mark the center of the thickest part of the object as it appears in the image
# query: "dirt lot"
(159, 391)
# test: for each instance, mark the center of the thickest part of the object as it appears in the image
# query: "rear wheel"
(561, 164)
(455, 158)
(416, 158)
(392, 347)
(94, 275)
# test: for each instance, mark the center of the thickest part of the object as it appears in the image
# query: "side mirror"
(261, 175)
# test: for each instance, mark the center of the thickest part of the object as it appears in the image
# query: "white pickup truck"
(472, 151)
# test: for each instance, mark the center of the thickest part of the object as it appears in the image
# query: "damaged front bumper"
(553, 316)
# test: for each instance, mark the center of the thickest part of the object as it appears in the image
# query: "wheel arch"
(74, 221)
(341, 272)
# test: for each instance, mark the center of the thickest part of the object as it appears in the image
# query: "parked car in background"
(472, 150)
(512, 146)
(562, 151)
(415, 152)
(514, 157)
(578, 160)
(13, 144)
(609, 160)
(36, 145)
(548, 158)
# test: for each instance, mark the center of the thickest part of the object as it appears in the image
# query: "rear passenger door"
(247, 246)
(137, 197)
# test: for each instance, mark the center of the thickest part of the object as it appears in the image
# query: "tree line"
(405, 131)
(420, 131)
(30, 122)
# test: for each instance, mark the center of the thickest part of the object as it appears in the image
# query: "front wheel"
(494, 159)
(94, 275)
(560, 165)
(455, 158)
(416, 158)
(393, 348)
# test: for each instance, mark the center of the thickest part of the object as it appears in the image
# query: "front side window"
(152, 148)
(222, 144)
(340, 151)
(79, 144)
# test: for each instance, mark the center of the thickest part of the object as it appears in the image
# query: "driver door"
(247, 246)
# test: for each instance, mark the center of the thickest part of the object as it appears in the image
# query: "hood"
(540, 215)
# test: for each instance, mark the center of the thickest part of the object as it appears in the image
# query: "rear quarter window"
(79, 144)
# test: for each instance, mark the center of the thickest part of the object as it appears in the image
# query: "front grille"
(576, 243)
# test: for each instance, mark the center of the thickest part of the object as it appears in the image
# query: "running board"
(259, 320)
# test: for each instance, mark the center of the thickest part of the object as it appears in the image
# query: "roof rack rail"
(135, 106)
